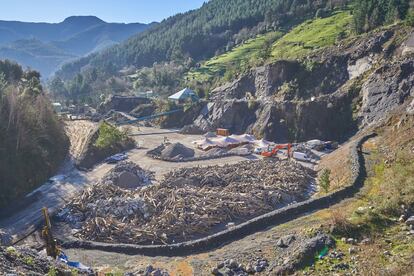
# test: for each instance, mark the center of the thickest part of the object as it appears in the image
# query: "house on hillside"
(184, 95)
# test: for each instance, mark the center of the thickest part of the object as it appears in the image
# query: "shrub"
(410, 19)
(12, 251)
(109, 136)
(28, 260)
(52, 271)
(340, 224)
(325, 180)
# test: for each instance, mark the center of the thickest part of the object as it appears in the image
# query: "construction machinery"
(273, 152)
(52, 249)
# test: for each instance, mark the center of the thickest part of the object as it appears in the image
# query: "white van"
(301, 156)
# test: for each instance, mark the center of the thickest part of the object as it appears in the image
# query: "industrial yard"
(233, 138)
(172, 189)
(233, 183)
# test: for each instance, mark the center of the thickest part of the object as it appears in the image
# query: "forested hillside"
(370, 14)
(185, 39)
(161, 57)
(32, 140)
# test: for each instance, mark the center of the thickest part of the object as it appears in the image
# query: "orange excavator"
(274, 151)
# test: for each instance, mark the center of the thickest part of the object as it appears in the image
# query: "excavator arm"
(51, 246)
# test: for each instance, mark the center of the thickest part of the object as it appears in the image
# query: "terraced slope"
(312, 35)
(246, 55)
(309, 36)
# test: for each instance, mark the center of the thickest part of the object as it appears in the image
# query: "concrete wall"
(260, 223)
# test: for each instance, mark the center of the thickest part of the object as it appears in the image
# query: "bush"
(324, 180)
(410, 19)
(340, 224)
(109, 136)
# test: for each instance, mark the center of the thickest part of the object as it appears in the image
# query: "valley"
(268, 137)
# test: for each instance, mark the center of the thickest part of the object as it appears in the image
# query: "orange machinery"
(274, 151)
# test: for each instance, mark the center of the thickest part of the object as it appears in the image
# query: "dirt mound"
(78, 133)
(161, 152)
(113, 141)
(177, 150)
(189, 203)
(128, 175)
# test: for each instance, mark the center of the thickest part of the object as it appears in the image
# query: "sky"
(124, 11)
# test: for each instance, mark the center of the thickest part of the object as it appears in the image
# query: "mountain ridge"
(75, 36)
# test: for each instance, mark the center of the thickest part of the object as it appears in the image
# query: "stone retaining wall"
(260, 223)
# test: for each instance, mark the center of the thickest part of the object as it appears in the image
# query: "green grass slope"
(312, 35)
(303, 39)
(245, 55)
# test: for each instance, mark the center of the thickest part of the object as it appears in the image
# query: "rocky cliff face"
(328, 95)
(388, 87)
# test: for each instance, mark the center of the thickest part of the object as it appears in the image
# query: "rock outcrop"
(327, 95)
(181, 118)
(288, 80)
(387, 88)
(143, 110)
(122, 103)
(232, 114)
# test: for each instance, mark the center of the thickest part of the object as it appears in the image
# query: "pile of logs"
(190, 202)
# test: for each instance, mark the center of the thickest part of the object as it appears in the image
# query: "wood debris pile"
(190, 202)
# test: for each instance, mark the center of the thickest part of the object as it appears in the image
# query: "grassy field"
(312, 35)
(245, 55)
